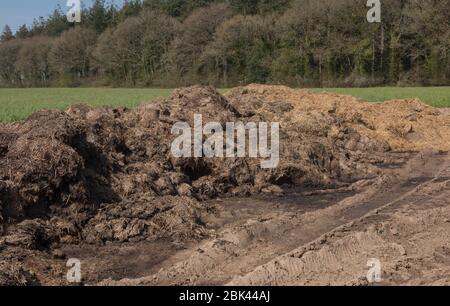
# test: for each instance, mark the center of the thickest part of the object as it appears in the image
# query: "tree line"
(231, 42)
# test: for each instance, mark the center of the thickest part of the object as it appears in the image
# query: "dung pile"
(406, 125)
(98, 175)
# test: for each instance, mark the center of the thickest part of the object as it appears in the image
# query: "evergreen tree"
(38, 26)
(245, 7)
(56, 23)
(174, 8)
(7, 34)
(23, 32)
(97, 16)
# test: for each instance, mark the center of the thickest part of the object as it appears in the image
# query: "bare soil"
(355, 181)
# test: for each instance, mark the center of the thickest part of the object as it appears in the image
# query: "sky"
(18, 12)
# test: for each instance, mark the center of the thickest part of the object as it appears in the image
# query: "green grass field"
(17, 104)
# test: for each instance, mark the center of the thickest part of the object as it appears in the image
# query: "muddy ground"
(355, 181)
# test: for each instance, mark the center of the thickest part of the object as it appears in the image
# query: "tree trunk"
(373, 59)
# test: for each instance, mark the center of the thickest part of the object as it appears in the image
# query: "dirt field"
(355, 181)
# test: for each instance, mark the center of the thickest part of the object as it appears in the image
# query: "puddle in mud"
(392, 196)
(234, 210)
(442, 179)
(414, 182)
(120, 260)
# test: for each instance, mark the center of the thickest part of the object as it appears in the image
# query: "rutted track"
(270, 247)
(409, 235)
